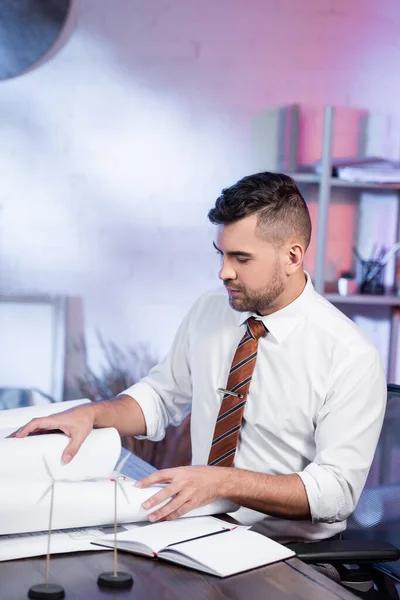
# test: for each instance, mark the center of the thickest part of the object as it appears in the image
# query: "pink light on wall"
(349, 126)
(169, 88)
(341, 233)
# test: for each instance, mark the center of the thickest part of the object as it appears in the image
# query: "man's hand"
(189, 487)
(282, 496)
(123, 413)
(76, 423)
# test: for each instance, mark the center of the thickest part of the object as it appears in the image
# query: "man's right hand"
(76, 423)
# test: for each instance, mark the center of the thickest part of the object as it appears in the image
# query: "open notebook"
(203, 543)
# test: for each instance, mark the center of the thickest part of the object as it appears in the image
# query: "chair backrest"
(377, 515)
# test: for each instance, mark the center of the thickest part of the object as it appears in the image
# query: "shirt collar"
(282, 322)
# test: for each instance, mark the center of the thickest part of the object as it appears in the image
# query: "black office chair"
(367, 559)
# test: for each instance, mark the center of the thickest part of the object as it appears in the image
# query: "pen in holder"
(372, 270)
(372, 277)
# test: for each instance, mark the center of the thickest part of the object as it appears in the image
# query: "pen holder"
(372, 277)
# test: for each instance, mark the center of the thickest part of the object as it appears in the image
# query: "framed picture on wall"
(33, 343)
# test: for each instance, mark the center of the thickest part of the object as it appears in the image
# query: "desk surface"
(78, 572)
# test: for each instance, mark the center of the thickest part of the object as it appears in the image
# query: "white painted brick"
(113, 152)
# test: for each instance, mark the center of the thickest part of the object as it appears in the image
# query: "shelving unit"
(384, 300)
(325, 182)
(335, 182)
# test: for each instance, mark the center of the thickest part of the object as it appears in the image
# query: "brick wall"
(113, 151)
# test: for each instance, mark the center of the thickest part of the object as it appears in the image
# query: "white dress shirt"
(315, 406)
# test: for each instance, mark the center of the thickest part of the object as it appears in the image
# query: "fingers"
(35, 426)
(168, 492)
(13, 434)
(72, 448)
(163, 476)
(182, 510)
(174, 490)
(176, 508)
(46, 424)
(188, 487)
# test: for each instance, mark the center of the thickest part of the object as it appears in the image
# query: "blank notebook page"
(230, 552)
(159, 535)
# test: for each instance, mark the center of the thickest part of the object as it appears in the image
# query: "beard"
(258, 301)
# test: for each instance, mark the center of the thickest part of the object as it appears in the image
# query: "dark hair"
(274, 197)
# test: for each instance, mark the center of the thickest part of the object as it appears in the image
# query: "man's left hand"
(188, 488)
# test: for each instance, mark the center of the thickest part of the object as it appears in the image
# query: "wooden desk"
(153, 579)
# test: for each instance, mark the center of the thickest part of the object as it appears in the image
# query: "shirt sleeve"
(165, 394)
(346, 435)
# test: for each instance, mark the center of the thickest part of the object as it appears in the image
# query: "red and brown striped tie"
(229, 420)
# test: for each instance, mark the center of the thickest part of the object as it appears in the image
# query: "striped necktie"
(229, 420)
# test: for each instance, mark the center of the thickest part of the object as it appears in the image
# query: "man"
(287, 395)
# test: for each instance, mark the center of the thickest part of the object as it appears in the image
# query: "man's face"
(252, 268)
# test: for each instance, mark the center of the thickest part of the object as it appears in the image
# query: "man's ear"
(295, 257)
